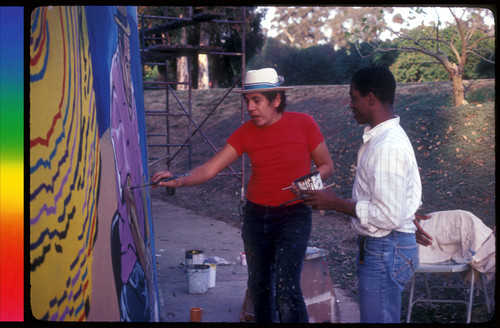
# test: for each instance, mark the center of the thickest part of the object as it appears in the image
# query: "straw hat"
(262, 80)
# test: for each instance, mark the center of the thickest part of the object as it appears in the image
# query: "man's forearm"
(344, 206)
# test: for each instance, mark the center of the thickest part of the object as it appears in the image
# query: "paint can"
(211, 275)
(194, 257)
(196, 314)
(197, 278)
(311, 181)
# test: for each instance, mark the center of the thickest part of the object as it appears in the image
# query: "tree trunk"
(458, 89)
(162, 73)
(182, 66)
(203, 78)
(182, 73)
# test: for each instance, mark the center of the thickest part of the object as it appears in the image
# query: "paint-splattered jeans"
(275, 242)
(389, 263)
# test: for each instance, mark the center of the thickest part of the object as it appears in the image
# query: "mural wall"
(91, 237)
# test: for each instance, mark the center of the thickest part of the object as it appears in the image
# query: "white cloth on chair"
(459, 236)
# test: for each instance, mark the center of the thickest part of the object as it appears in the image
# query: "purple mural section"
(134, 263)
(91, 236)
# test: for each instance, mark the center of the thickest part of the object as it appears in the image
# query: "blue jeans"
(275, 240)
(389, 263)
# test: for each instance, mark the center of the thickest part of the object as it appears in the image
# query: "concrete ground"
(177, 230)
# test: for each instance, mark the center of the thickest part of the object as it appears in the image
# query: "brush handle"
(328, 186)
(161, 180)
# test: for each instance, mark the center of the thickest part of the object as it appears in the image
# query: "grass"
(454, 146)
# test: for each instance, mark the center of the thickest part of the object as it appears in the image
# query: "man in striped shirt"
(386, 195)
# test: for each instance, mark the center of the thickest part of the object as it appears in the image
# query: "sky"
(432, 14)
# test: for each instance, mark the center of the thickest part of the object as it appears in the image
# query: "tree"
(222, 69)
(182, 63)
(319, 64)
(303, 27)
(469, 37)
(412, 67)
(203, 78)
(225, 69)
(347, 19)
(272, 50)
(156, 14)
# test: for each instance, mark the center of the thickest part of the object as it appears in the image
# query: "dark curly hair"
(378, 80)
(271, 95)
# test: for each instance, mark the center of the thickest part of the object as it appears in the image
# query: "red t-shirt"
(279, 154)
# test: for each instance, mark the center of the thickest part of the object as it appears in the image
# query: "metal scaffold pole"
(158, 51)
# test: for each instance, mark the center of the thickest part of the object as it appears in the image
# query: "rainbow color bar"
(11, 164)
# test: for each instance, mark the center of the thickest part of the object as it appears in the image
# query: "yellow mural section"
(64, 164)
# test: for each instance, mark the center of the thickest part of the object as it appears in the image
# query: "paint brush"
(161, 180)
(288, 202)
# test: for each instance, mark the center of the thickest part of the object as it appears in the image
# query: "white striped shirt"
(387, 187)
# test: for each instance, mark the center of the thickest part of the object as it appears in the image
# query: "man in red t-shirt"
(280, 146)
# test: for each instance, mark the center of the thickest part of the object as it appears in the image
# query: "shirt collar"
(370, 132)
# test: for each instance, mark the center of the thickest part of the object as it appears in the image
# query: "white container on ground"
(197, 278)
(211, 275)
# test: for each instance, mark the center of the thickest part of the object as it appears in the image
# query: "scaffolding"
(159, 55)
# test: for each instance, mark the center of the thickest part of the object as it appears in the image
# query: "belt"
(362, 242)
(276, 210)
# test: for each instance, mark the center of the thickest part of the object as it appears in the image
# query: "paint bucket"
(211, 275)
(311, 181)
(197, 278)
(194, 257)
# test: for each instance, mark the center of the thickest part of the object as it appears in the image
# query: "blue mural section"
(118, 85)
